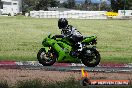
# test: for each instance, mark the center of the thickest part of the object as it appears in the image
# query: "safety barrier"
(125, 13)
(111, 14)
(69, 14)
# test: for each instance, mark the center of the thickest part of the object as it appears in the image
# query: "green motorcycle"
(62, 50)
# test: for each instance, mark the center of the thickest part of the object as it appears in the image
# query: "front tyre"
(91, 57)
(46, 58)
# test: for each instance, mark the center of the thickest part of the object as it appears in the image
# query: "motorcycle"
(61, 50)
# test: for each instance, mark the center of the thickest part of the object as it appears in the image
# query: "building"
(11, 7)
(62, 1)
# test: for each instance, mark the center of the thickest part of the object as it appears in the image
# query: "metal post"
(100, 5)
(124, 7)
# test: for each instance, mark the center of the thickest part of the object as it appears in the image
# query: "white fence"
(125, 12)
(69, 14)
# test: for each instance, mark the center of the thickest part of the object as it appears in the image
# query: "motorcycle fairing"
(61, 48)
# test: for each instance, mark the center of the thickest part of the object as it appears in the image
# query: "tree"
(87, 2)
(86, 5)
(1, 6)
(44, 4)
(71, 4)
(65, 4)
(53, 3)
(130, 4)
(120, 5)
(104, 6)
(28, 5)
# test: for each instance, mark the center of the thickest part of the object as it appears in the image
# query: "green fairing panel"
(65, 40)
(88, 39)
(61, 48)
(69, 59)
(64, 53)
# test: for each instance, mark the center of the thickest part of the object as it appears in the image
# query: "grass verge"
(72, 83)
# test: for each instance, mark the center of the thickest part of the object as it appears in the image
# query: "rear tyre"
(46, 58)
(90, 57)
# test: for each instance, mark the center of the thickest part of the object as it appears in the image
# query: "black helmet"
(62, 23)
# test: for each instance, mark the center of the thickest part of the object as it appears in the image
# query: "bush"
(69, 83)
(36, 83)
(4, 84)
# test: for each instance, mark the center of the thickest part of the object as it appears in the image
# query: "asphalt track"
(78, 68)
(34, 65)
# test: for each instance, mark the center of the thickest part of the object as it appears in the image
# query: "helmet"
(62, 23)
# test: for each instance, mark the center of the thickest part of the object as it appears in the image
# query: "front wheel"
(46, 58)
(91, 57)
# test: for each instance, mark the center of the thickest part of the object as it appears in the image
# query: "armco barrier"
(69, 14)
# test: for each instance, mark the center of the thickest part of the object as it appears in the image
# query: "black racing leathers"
(72, 33)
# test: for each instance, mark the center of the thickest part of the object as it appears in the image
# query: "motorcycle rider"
(70, 32)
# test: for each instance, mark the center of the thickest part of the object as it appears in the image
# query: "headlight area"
(45, 43)
(94, 42)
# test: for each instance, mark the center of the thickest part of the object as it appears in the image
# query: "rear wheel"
(90, 57)
(46, 58)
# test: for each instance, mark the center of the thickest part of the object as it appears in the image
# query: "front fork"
(94, 47)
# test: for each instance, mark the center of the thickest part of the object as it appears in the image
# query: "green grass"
(21, 37)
